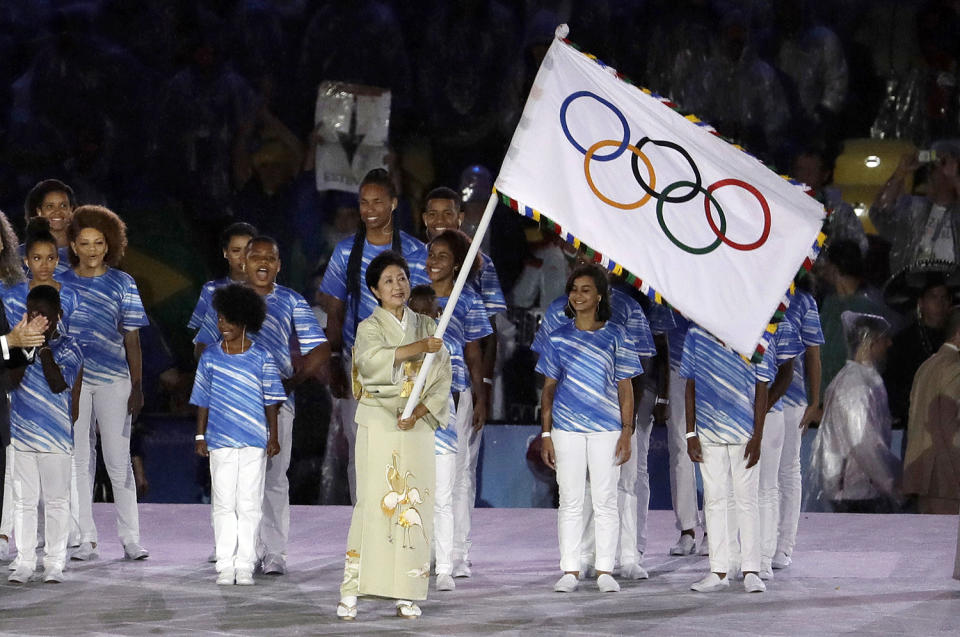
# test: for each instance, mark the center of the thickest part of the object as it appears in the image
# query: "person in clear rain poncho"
(852, 468)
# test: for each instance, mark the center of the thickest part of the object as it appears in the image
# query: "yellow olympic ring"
(633, 149)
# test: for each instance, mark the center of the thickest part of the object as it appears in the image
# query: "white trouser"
(345, 413)
(236, 484)
(107, 406)
(465, 485)
(6, 516)
(723, 468)
(577, 453)
(275, 523)
(790, 480)
(443, 512)
(49, 474)
(633, 494)
(683, 476)
(768, 491)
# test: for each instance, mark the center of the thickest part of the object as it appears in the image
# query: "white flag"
(706, 225)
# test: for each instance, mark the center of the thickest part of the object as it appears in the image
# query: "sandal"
(408, 610)
(346, 612)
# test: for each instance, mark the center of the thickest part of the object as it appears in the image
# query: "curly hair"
(240, 305)
(112, 227)
(459, 244)
(39, 192)
(11, 265)
(599, 276)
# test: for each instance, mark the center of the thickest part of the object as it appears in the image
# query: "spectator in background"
(812, 167)
(926, 227)
(931, 465)
(679, 46)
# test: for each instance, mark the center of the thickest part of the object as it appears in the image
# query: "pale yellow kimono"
(388, 547)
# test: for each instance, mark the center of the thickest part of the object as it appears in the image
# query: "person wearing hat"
(931, 465)
(926, 227)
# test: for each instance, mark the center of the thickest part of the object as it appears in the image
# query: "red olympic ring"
(633, 149)
(763, 204)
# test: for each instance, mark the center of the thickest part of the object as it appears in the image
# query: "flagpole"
(451, 303)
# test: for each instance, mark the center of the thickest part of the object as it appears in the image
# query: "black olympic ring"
(650, 190)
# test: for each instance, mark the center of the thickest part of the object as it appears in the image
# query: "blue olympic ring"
(583, 151)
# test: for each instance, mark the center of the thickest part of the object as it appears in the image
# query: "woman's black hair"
(39, 192)
(459, 244)
(38, 231)
(378, 177)
(238, 229)
(599, 276)
(380, 263)
(240, 305)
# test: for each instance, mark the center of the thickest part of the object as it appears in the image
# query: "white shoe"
(347, 608)
(685, 546)
(462, 569)
(633, 571)
(53, 575)
(86, 551)
(445, 582)
(711, 584)
(781, 560)
(766, 572)
(226, 577)
(607, 584)
(244, 578)
(133, 551)
(21, 576)
(703, 548)
(4, 549)
(274, 565)
(408, 610)
(566, 584)
(753, 584)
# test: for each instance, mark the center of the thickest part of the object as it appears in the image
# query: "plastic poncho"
(851, 458)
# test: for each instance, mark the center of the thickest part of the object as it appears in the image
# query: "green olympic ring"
(663, 224)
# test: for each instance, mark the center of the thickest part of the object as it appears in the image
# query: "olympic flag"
(708, 226)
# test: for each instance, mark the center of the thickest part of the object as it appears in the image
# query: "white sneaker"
(244, 578)
(4, 549)
(607, 584)
(53, 575)
(445, 582)
(685, 546)
(226, 577)
(21, 576)
(462, 569)
(347, 608)
(133, 551)
(711, 584)
(566, 584)
(274, 565)
(86, 551)
(408, 610)
(753, 584)
(633, 571)
(703, 548)
(781, 560)
(766, 572)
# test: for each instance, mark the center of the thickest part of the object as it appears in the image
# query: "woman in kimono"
(392, 521)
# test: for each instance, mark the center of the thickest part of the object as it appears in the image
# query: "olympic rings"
(636, 153)
(621, 146)
(721, 233)
(709, 196)
(695, 187)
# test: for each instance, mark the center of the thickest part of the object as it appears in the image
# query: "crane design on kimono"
(399, 503)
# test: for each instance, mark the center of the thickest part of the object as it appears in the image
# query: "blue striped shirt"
(235, 388)
(469, 322)
(805, 317)
(445, 438)
(624, 311)
(784, 346)
(662, 318)
(287, 313)
(335, 278)
(587, 366)
(206, 300)
(725, 387)
(487, 285)
(15, 303)
(41, 420)
(109, 307)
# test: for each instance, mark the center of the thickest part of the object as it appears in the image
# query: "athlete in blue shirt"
(347, 300)
(105, 324)
(54, 201)
(238, 390)
(42, 410)
(726, 405)
(587, 411)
